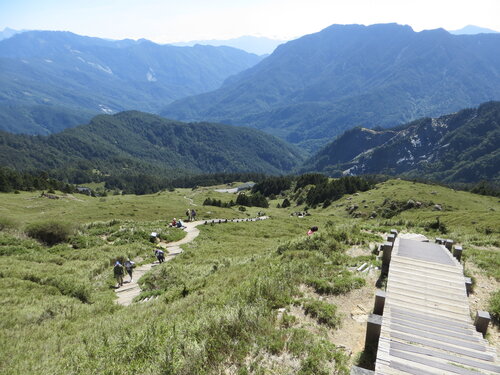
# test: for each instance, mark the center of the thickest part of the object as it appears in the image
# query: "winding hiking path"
(130, 290)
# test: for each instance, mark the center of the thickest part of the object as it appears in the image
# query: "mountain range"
(134, 142)
(315, 87)
(459, 147)
(52, 80)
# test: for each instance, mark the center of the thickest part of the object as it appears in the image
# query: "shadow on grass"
(367, 358)
(381, 282)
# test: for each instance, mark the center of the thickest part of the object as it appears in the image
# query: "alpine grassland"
(242, 298)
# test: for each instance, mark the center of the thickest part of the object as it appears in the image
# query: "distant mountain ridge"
(71, 77)
(472, 30)
(460, 147)
(251, 44)
(134, 142)
(8, 32)
(315, 87)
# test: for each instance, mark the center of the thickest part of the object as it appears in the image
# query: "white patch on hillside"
(105, 69)
(351, 171)
(410, 158)
(150, 75)
(415, 141)
(436, 123)
(106, 109)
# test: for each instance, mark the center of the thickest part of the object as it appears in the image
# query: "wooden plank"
(429, 318)
(441, 346)
(436, 364)
(432, 353)
(437, 338)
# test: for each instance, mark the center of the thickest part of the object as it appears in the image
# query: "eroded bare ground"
(354, 307)
(479, 299)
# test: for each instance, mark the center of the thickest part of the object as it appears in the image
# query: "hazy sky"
(166, 21)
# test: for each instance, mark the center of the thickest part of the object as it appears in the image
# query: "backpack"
(118, 270)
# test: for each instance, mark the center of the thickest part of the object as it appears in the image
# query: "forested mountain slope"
(315, 87)
(460, 147)
(69, 78)
(135, 143)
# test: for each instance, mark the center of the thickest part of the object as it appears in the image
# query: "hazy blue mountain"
(315, 87)
(8, 32)
(66, 72)
(134, 142)
(472, 30)
(251, 44)
(460, 147)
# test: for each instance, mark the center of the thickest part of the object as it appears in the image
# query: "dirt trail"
(130, 290)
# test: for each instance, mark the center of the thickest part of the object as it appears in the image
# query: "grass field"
(224, 303)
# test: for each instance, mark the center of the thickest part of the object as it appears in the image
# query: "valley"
(302, 161)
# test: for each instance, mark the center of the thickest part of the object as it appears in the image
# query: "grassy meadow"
(224, 304)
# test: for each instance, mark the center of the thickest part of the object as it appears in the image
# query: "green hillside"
(460, 147)
(69, 73)
(134, 142)
(316, 87)
(245, 298)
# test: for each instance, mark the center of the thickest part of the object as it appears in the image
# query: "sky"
(167, 21)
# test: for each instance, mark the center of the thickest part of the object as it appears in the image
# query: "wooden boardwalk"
(426, 324)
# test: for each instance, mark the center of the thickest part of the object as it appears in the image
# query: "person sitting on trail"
(312, 230)
(193, 215)
(173, 223)
(160, 255)
(129, 265)
(180, 224)
(118, 272)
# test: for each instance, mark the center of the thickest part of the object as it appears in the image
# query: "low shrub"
(7, 223)
(324, 312)
(50, 232)
(494, 305)
(339, 285)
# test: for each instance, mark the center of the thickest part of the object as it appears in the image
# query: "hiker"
(180, 224)
(160, 255)
(129, 265)
(118, 272)
(193, 215)
(153, 237)
(312, 230)
(188, 214)
(173, 224)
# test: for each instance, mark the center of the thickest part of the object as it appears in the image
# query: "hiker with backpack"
(118, 272)
(193, 215)
(129, 266)
(160, 255)
(188, 214)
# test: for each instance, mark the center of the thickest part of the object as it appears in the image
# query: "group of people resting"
(176, 224)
